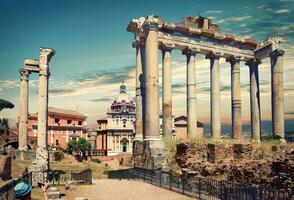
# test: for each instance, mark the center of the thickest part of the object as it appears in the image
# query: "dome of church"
(123, 97)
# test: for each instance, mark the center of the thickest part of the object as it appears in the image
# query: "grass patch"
(96, 160)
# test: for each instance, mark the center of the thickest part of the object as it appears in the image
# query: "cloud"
(281, 11)
(8, 84)
(214, 11)
(102, 99)
(92, 82)
(239, 19)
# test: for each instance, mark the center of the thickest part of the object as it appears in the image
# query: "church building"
(115, 132)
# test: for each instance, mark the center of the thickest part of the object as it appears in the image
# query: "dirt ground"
(110, 189)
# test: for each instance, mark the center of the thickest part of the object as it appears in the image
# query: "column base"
(40, 166)
(149, 154)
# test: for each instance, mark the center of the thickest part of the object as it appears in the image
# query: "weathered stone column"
(139, 80)
(191, 93)
(167, 89)
(45, 55)
(254, 99)
(277, 93)
(23, 111)
(152, 91)
(215, 110)
(40, 165)
(236, 98)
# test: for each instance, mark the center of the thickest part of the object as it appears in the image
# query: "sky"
(94, 52)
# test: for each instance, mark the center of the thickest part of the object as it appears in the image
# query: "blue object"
(22, 189)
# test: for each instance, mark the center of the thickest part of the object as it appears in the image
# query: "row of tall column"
(40, 66)
(147, 114)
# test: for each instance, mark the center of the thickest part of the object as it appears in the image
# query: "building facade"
(115, 132)
(181, 127)
(63, 125)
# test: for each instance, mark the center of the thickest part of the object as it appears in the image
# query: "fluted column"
(45, 55)
(215, 110)
(152, 130)
(23, 110)
(191, 93)
(139, 86)
(254, 99)
(277, 93)
(236, 98)
(167, 89)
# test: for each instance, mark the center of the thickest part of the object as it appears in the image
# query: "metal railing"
(60, 177)
(202, 188)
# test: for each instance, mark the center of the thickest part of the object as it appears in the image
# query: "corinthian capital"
(45, 55)
(151, 23)
(24, 74)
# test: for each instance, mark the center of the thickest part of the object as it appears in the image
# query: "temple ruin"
(40, 66)
(197, 35)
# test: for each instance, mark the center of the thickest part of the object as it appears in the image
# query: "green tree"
(5, 104)
(77, 146)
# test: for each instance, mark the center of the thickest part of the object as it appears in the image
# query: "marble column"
(45, 55)
(191, 93)
(23, 110)
(139, 80)
(236, 98)
(167, 90)
(152, 130)
(215, 107)
(254, 99)
(277, 93)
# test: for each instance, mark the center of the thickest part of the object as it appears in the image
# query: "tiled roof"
(52, 110)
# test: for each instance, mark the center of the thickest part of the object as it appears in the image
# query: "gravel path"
(111, 189)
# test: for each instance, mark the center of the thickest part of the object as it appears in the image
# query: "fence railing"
(61, 177)
(6, 190)
(202, 188)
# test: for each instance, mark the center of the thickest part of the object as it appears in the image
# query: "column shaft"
(191, 94)
(277, 93)
(152, 94)
(236, 99)
(167, 92)
(215, 112)
(254, 100)
(23, 111)
(45, 55)
(139, 107)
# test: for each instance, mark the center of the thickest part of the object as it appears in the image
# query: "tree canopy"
(80, 145)
(5, 104)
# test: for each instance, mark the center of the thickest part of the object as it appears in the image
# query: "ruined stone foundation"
(149, 154)
(40, 166)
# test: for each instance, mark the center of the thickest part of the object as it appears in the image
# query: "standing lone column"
(23, 111)
(167, 89)
(191, 93)
(152, 130)
(277, 93)
(45, 55)
(215, 111)
(254, 99)
(139, 82)
(236, 98)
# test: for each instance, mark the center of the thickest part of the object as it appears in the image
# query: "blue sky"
(94, 53)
